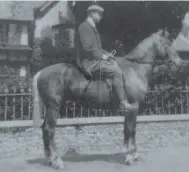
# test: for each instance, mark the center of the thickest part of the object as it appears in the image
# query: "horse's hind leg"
(134, 152)
(48, 130)
(133, 138)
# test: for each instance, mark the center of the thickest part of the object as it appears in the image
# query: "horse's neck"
(143, 70)
(144, 52)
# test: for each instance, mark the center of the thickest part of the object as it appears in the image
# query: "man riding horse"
(93, 56)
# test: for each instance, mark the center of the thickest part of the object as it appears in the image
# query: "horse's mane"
(138, 52)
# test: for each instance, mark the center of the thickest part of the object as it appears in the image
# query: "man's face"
(97, 16)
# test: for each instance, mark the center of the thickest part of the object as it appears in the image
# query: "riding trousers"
(110, 70)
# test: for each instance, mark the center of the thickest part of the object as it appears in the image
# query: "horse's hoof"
(124, 151)
(136, 157)
(57, 163)
(129, 160)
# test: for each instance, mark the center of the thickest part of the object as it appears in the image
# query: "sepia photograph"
(90, 86)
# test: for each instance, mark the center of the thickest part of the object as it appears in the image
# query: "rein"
(138, 61)
(160, 62)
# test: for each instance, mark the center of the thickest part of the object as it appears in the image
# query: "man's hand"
(106, 56)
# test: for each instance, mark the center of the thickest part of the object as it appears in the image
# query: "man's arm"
(86, 38)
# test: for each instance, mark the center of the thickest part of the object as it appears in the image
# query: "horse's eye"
(170, 62)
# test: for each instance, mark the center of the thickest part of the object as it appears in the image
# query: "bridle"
(154, 63)
(140, 61)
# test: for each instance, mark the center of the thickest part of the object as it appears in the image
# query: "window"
(8, 70)
(24, 35)
(14, 34)
(3, 33)
(22, 71)
(64, 37)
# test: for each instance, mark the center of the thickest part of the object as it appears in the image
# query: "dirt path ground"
(171, 159)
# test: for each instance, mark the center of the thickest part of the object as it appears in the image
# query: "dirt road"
(171, 159)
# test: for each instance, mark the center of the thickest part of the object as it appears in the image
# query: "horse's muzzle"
(178, 62)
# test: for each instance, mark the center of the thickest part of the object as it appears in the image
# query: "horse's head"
(164, 49)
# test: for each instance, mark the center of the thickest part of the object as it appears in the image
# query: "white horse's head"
(164, 48)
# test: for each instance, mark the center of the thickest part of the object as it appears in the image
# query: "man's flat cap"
(95, 8)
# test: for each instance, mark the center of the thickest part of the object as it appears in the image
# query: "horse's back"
(49, 70)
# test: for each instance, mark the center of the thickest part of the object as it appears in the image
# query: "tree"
(131, 21)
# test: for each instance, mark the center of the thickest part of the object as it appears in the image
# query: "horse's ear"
(160, 32)
(163, 32)
(166, 33)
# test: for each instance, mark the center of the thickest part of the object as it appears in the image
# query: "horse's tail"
(37, 102)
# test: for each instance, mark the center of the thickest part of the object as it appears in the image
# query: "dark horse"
(57, 83)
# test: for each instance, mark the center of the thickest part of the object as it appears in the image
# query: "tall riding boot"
(125, 103)
(118, 86)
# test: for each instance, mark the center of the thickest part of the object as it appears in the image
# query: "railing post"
(29, 102)
(6, 103)
(88, 112)
(14, 103)
(66, 106)
(74, 108)
(22, 103)
(81, 112)
(181, 104)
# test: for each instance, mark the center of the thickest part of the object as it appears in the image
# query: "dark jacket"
(90, 47)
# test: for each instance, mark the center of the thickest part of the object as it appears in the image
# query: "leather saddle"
(89, 76)
(87, 73)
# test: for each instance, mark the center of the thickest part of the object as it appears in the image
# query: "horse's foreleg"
(130, 135)
(48, 130)
(127, 136)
